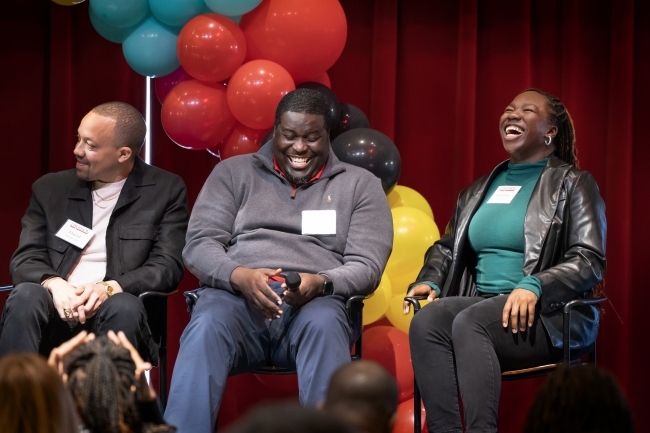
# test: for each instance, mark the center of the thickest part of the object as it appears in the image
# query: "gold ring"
(67, 312)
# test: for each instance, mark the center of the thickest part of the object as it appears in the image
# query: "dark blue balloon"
(372, 150)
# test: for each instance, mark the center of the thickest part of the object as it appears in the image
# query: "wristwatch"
(328, 287)
(109, 289)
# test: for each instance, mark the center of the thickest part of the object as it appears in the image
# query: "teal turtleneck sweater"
(496, 233)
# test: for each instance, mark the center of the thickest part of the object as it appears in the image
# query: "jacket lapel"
(541, 210)
(79, 208)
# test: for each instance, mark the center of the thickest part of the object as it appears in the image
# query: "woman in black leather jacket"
(523, 241)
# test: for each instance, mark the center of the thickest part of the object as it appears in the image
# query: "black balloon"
(350, 117)
(332, 101)
(372, 150)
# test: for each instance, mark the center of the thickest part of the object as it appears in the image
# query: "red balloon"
(306, 37)
(195, 115)
(254, 91)
(390, 347)
(405, 419)
(322, 78)
(166, 83)
(241, 140)
(211, 47)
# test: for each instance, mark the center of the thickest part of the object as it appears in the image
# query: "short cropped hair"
(582, 399)
(130, 128)
(305, 101)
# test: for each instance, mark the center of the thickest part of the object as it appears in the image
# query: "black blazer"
(564, 233)
(144, 238)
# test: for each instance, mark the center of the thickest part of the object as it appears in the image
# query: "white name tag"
(504, 194)
(319, 222)
(75, 233)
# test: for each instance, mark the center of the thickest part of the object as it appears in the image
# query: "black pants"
(459, 343)
(30, 323)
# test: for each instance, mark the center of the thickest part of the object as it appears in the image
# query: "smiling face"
(300, 145)
(524, 127)
(98, 158)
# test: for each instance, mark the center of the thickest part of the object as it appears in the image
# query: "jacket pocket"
(136, 242)
(56, 249)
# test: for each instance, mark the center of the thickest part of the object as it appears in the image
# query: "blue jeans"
(226, 336)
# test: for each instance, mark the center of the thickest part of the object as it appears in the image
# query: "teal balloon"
(176, 13)
(120, 13)
(113, 34)
(236, 18)
(232, 8)
(151, 49)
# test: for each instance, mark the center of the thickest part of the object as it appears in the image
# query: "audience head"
(364, 395)
(101, 379)
(287, 418)
(33, 398)
(301, 144)
(582, 399)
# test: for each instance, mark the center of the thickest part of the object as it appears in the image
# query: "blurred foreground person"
(583, 399)
(105, 376)
(364, 395)
(33, 398)
(287, 418)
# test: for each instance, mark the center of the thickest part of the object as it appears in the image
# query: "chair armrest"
(415, 301)
(566, 319)
(191, 298)
(6, 288)
(153, 295)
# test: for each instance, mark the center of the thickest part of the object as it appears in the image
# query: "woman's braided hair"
(565, 140)
(101, 376)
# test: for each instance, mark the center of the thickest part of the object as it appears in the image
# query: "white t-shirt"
(91, 266)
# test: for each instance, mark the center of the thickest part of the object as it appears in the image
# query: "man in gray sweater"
(292, 206)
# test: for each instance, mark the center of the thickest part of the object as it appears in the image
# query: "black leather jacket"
(564, 230)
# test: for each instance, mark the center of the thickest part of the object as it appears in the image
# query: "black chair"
(155, 304)
(525, 373)
(353, 310)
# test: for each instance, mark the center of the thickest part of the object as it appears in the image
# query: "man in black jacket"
(95, 237)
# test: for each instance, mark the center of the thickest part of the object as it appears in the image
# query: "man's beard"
(83, 174)
(297, 180)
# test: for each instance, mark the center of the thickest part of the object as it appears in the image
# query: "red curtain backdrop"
(434, 76)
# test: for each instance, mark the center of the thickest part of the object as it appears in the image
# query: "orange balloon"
(211, 47)
(196, 116)
(255, 90)
(306, 37)
(241, 140)
(405, 419)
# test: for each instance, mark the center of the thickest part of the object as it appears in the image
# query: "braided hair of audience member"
(101, 378)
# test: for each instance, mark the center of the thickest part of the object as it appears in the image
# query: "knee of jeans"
(27, 295)
(125, 305)
(465, 324)
(431, 316)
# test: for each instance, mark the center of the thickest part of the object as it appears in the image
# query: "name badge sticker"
(319, 222)
(75, 233)
(504, 194)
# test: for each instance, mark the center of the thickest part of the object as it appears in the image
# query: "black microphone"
(292, 280)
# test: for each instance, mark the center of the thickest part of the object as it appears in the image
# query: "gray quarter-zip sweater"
(245, 216)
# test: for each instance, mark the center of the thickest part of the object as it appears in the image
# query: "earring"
(547, 140)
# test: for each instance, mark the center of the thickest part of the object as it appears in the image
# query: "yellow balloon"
(68, 2)
(404, 278)
(405, 196)
(395, 313)
(413, 233)
(375, 306)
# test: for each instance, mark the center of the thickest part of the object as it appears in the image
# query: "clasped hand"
(253, 284)
(76, 304)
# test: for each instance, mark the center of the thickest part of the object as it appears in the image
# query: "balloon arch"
(220, 68)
